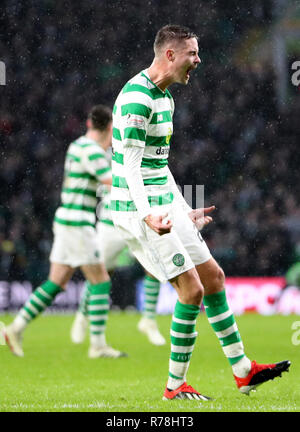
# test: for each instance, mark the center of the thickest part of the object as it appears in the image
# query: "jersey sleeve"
(135, 119)
(132, 163)
(96, 164)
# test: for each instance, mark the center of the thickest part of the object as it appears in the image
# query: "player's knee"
(220, 277)
(194, 291)
(217, 280)
(196, 295)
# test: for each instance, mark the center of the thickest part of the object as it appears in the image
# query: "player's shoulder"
(140, 79)
(140, 86)
(85, 145)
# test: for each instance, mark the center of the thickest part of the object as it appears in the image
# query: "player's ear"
(88, 123)
(170, 54)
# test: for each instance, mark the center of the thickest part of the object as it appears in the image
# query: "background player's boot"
(184, 392)
(13, 340)
(105, 351)
(259, 374)
(79, 328)
(149, 327)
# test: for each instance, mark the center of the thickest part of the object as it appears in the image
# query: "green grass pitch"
(56, 375)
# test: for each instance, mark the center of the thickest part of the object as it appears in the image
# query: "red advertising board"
(254, 294)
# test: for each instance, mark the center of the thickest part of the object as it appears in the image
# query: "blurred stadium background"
(237, 132)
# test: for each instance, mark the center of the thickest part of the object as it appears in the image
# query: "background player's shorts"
(75, 246)
(111, 244)
(169, 255)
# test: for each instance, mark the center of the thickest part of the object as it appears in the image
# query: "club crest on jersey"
(178, 260)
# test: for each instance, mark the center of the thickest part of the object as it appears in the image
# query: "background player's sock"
(98, 307)
(223, 322)
(151, 291)
(83, 305)
(38, 301)
(183, 337)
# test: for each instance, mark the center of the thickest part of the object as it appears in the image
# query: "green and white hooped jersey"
(85, 166)
(103, 209)
(142, 116)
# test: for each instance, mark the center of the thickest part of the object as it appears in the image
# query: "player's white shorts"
(169, 255)
(75, 246)
(111, 244)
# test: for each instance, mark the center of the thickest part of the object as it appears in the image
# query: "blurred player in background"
(159, 227)
(111, 245)
(75, 242)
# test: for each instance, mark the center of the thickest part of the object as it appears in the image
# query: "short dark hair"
(100, 116)
(170, 32)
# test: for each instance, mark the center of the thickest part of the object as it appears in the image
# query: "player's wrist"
(144, 215)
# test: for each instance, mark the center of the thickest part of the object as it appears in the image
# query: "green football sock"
(223, 323)
(183, 337)
(38, 301)
(151, 291)
(83, 305)
(98, 307)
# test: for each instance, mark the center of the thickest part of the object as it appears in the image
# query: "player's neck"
(160, 75)
(102, 138)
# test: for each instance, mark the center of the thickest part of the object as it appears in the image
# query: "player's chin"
(185, 79)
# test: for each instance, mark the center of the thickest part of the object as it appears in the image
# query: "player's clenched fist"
(160, 224)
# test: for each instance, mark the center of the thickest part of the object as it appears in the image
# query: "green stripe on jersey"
(157, 141)
(73, 223)
(81, 175)
(156, 181)
(117, 134)
(89, 192)
(122, 183)
(119, 182)
(154, 163)
(78, 207)
(73, 157)
(136, 108)
(153, 93)
(107, 221)
(96, 156)
(102, 171)
(161, 117)
(118, 205)
(82, 145)
(118, 157)
(134, 133)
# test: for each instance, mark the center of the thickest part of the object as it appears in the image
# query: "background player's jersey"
(142, 116)
(103, 209)
(85, 166)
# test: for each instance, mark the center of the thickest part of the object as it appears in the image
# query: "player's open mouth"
(188, 71)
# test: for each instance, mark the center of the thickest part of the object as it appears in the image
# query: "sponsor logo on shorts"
(178, 260)
(97, 255)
